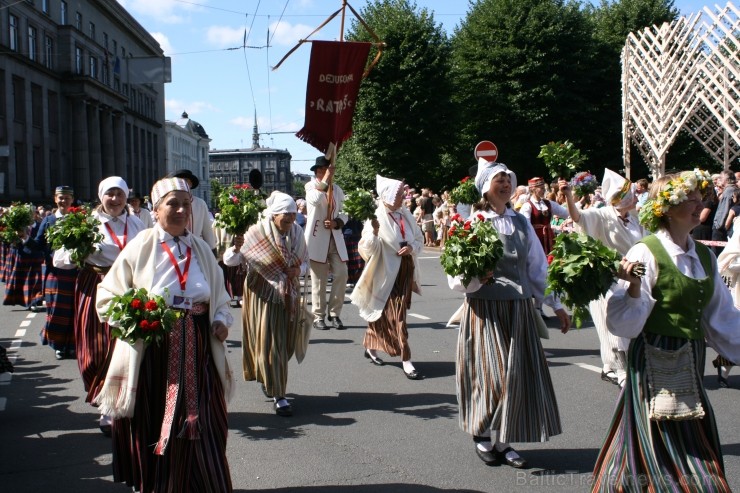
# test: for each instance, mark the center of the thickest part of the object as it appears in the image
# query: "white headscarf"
(487, 170)
(167, 185)
(387, 188)
(617, 190)
(112, 182)
(280, 203)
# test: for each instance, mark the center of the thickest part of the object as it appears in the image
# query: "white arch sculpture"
(683, 76)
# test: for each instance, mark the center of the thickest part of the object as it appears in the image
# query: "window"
(32, 47)
(91, 31)
(45, 6)
(63, 13)
(106, 74)
(78, 21)
(105, 41)
(52, 103)
(21, 170)
(13, 32)
(78, 60)
(93, 67)
(48, 52)
(19, 100)
(37, 107)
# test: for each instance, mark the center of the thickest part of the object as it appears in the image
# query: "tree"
(216, 189)
(521, 70)
(400, 123)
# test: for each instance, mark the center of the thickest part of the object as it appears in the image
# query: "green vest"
(679, 299)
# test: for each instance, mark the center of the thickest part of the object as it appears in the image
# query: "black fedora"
(320, 162)
(186, 174)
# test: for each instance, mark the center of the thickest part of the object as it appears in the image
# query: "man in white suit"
(326, 248)
(200, 219)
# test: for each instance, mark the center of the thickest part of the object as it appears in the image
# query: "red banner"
(334, 77)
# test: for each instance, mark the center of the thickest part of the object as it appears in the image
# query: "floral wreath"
(674, 192)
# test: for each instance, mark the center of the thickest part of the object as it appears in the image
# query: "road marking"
(416, 315)
(426, 258)
(31, 315)
(25, 323)
(20, 333)
(586, 366)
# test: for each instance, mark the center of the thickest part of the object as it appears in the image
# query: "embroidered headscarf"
(487, 170)
(167, 185)
(112, 182)
(617, 190)
(387, 188)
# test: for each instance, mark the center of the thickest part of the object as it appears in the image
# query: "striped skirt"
(187, 465)
(234, 277)
(503, 382)
(59, 291)
(3, 259)
(24, 284)
(640, 454)
(268, 343)
(355, 263)
(93, 342)
(9, 258)
(389, 333)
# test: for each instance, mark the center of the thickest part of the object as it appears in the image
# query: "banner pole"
(341, 25)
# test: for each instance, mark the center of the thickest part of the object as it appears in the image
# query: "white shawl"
(728, 262)
(376, 282)
(135, 267)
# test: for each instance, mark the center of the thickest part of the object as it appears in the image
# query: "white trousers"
(319, 277)
(612, 358)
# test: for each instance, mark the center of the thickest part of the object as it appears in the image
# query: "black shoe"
(71, 354)
(319, 324)
(374, 360)
(610, 377)
(336, 322)
(518, 463)
(107, 430)
(490, 458)
(283, 411)
(414, 375)
(723, 384)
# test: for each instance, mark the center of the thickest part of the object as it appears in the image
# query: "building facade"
(187, 148)
(81, 99)
(234, 165)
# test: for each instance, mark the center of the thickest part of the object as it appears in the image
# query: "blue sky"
(221, 85)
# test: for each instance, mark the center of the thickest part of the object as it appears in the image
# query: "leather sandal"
(517, 463)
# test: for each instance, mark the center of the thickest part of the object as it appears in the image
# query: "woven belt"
(97, 269)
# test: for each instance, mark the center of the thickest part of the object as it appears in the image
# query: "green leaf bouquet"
(465, 192)
(360, 205)
(562, 159)
(581, 270)
(472, 248)
(78, 232)
(239, 208)
(138, 315)
(16, 218)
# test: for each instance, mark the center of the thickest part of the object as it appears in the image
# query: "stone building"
(81, 98)
(187, 148)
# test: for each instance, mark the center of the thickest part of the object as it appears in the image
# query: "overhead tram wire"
(267, 59)
(246, 61)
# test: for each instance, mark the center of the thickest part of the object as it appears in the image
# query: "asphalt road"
(357, 427)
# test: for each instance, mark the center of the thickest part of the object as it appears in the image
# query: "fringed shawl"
(266, 264)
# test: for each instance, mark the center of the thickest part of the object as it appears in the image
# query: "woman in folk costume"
(539, 211)
(663, 436)
(503, 384)
(93, 343)
(617, 227)
(24, 285)
(728, 264)
(170, 426)
(389, 245)
(59, 284)
(273, 316)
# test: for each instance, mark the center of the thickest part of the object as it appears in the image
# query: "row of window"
(18, 93)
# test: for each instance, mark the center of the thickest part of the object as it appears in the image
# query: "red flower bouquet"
(239, 208)
(465, 192)
(472, 248)
(77, 231)
(136, 315)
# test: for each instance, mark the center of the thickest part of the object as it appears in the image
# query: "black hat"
(320, 162)
(133, 194)
(64, 190)
(186, 174)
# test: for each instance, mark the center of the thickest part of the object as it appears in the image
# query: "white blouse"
(626, 316)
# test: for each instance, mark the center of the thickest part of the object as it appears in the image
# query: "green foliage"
(472, 248)
(16, 218)
(216, 189)
(359, 204)
(562, 159)
(465, 192)
(239, 207)
(403, 114)
(581, 269)
(78, 232)
(136, 315)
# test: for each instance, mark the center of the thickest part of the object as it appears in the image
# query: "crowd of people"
(165, 405)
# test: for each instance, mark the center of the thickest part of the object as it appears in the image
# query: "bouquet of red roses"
(78, 232)
(472, 248)
(16, 218)
(465, 192)
(239, 208)
(136, 315)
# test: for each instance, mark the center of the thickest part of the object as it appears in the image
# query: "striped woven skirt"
(234, 277)
(24, 284)
(59, 291)
(93, 342)
(503, 382)
(389, 333)
(3, 259)
(268, 343)
(9, 257)
(187, 465)
(355, 263)
(640, 454)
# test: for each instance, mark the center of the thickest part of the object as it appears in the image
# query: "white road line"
(426, 258)
(20, 333)
(25, 323)
(586, 366)
(416, 315)
(31, 315)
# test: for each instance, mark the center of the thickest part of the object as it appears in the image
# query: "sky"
(221, 85)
